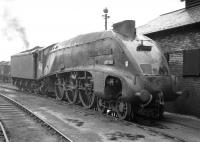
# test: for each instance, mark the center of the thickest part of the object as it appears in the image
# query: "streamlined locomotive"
(116, 70)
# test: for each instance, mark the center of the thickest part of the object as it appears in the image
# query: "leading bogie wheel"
(123, 109)
(101, 105)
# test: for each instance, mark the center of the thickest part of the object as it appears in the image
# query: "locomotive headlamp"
(126, 63)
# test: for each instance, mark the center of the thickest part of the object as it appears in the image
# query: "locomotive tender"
(115, 70)
(5, 71)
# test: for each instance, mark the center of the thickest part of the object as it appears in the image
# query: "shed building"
(178, 34)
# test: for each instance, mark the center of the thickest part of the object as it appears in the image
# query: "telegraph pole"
(105, 11)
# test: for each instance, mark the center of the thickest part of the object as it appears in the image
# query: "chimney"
(191, 3)
(126, 28)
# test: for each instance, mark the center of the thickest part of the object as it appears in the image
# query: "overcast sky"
(44, 22)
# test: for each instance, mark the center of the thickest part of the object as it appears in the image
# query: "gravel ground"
(83, 125)
(20, 127)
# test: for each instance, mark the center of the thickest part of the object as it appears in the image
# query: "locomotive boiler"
(116, 70)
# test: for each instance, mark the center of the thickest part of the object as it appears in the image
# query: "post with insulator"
(105, 10)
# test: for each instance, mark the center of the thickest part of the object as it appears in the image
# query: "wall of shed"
(172, 42)
(191, 3)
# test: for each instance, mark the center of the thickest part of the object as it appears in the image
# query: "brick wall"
(173, 42)
(187, 37)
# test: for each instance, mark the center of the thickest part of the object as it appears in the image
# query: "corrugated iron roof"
(171, 20)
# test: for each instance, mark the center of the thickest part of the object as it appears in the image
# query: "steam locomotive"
(116, 70)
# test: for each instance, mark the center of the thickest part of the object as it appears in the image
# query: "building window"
(175, 61)
(191, 62)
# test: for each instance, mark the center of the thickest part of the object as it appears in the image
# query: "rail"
(4, 132)
(48, 125)
(150, 129)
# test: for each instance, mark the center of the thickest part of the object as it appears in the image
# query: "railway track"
(3, 134)
(23, 125)
(175, 138)
(136, 124)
